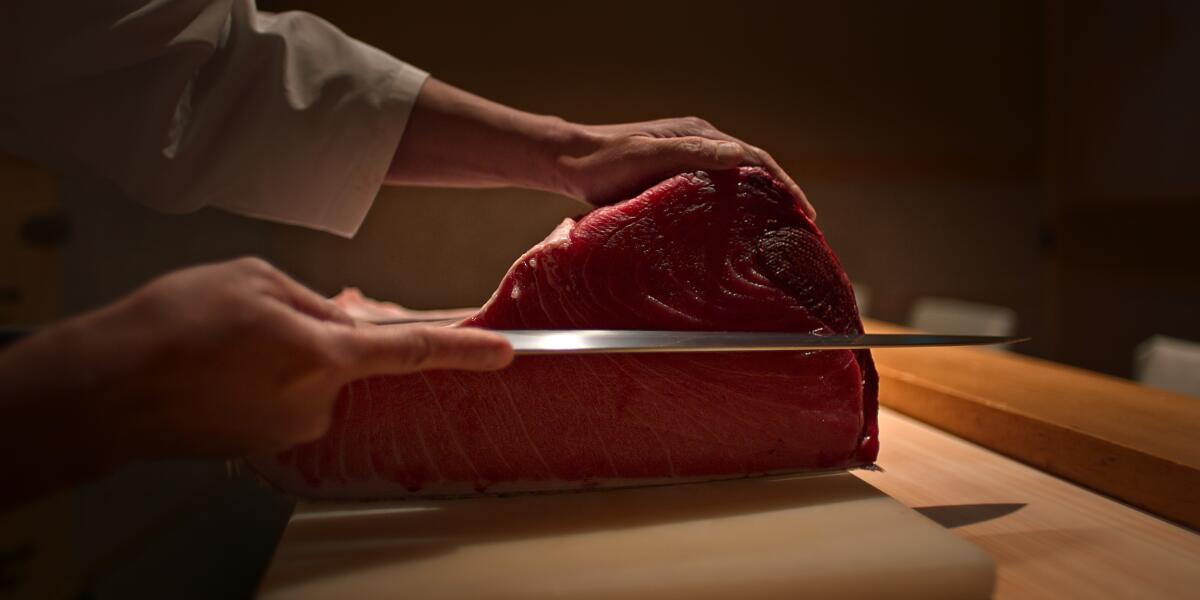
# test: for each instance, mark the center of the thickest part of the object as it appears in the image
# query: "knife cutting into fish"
(608, 341)
(616, 341)
(626, 341)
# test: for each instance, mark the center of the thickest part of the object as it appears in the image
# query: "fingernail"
(498, 358)
(497, 353)
(728, 151)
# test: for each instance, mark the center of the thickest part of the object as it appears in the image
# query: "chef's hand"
(616, 162)
(212, 361)
(457, 139)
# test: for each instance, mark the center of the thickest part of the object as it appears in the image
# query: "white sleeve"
(191, 103)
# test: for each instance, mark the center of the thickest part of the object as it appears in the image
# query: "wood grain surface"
(1129, 441)
(1049, 537)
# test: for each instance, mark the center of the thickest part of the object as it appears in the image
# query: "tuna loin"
(721, 251)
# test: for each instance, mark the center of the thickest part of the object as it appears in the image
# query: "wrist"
(84, 398)
(100, 364)
(562, 145)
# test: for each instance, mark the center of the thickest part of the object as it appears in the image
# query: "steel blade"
(617, 341)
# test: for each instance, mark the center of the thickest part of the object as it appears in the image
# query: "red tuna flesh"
(701, 251)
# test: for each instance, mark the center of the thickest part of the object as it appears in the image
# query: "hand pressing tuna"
(211, 361)
(615, 162)
(457, 139)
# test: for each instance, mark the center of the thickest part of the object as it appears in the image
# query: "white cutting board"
(827, 536)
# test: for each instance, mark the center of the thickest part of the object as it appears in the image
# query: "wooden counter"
(1049, 537)
(1128, 441)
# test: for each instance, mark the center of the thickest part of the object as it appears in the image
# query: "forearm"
(457, 139)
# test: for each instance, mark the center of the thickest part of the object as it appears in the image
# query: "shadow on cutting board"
(324, 540)
(958, 515)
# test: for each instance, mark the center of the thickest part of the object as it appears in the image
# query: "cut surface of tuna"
(724, 251)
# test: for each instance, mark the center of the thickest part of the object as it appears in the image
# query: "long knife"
(619, 341)
(624, 341)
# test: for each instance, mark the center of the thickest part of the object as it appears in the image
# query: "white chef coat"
(191, 103)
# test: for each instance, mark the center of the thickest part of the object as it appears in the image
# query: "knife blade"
(626, 341)
(618, 341)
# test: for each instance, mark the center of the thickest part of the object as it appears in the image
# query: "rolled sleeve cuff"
(345, 213)
(353, 165)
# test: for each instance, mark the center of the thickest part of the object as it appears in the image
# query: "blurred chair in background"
(862, 297)
(947, 315)
(1168, 363)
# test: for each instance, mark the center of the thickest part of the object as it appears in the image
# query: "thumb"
(693, 152)
(399, 349)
